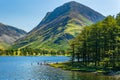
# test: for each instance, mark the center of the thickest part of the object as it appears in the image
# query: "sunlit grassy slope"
(4, 46)
(60, 26)
(58, 41)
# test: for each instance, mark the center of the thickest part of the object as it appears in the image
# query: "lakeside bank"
(76, 67)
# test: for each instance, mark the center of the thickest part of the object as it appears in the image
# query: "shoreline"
(67, 66)
(33, 55)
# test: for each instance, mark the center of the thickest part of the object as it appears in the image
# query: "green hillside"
(8, 35)
(59, 26)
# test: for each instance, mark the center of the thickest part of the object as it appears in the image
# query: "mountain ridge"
(63, 8)
(60, 26)
(9, 34)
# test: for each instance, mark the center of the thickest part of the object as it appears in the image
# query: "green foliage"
(99, 44)
(118, 19)
(32, 52)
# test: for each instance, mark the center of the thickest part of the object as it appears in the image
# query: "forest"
(32, 52)
(98, 45)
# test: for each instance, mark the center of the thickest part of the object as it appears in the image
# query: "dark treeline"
(31, 52)
(98, 45)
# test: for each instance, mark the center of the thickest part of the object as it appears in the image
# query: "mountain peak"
(61, 25)
(71, 9)
(72, 3)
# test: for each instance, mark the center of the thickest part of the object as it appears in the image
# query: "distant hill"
(60, 26)
(8, 35)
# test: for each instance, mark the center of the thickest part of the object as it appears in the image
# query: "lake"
(32, 68)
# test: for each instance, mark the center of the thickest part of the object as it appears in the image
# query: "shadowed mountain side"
(60, 26)
(8, 35)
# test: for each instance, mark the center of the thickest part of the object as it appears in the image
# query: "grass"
(3, 45)
(76, 67)
(36, 41)
(85, 21)
(80, 68)
(73, 28)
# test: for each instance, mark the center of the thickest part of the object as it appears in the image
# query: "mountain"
(8, 35)
(60, 26)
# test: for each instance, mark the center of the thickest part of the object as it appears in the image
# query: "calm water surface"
(30, 68)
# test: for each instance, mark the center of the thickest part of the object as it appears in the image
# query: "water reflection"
(27, 68)
(49, 73)
(89, 76)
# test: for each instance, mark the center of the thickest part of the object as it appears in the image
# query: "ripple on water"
(29, 68)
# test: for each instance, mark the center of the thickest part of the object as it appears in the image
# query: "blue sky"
(27, 14)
